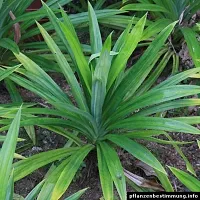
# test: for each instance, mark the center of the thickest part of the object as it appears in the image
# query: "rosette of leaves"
(166, 12)
(112, 107)
(18, 24)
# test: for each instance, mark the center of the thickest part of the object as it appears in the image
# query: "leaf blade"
(137, 150)
(189, 181)
(7, 154)
(115, 169)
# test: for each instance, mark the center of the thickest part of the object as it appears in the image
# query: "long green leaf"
(155, 74)
(81, 20)
(9, 44)
(131, 41)
(154, 97)
(95, 34)
(6, 72)
(189, 181)
(10, 188)
(7, 154)
(66, 69)
(24, 167)
(53, 122)
(172, 81)
(155, 123)
(164, 181)
(105, 176)
(69, 171)
(99, 81)
(51, 179)
(16, 97)
(115, 168)
(188, 120)
(13, 92)
(145, 7)
(78, 54)
(40, 87)
(155, 28)
(45, 79)
(139, 71)
(193, 45)
(35, 191)
(77, 195)
(168, 106)
(137, 150)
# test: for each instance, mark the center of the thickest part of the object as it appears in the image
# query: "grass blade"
(44, 79)
(172, 81)
(51, 179)
(153, 97)
(164, 181)
(168, 106)
(78, 54)
(145, 7)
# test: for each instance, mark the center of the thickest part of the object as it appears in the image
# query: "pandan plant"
(112, 106)
(18, 24)
(166, 12)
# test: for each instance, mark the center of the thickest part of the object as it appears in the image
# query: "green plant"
(193, 184)
(14, 15)
(7, 153)
(6, 157)
(17, 23)
(166, 12)
(113, 106)
(97, 4)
